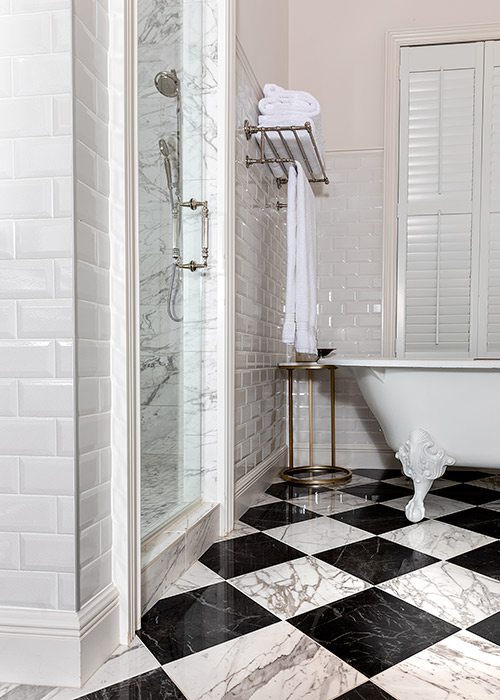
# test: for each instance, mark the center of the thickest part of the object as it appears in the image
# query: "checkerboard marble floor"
(328, 594)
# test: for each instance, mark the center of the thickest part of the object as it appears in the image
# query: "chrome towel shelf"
(274, 151)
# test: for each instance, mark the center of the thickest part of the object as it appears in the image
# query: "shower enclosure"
(173, 252)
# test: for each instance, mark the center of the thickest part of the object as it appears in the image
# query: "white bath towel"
(276, 100)
(293, 119)
(300, 324)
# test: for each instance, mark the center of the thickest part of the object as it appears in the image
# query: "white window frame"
(395, 40)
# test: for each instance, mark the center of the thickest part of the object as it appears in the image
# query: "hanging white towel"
(300, 324)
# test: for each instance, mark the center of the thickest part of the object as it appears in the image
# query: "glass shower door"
(170, 233)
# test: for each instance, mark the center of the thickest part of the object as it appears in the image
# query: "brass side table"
(312, 475)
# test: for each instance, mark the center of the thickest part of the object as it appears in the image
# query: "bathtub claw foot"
(423, 461)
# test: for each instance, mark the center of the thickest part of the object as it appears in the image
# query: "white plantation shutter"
(440, 159)
(489, 294)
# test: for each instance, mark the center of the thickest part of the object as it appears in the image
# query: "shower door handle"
(194, 204)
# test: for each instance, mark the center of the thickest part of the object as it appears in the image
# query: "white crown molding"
(57, 647)
(395, 39)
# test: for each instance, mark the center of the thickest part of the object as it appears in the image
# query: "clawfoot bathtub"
(433, 413)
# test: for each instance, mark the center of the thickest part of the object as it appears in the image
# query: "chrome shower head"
(167, 83)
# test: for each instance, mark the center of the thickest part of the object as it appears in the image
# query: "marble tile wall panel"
(260, 281)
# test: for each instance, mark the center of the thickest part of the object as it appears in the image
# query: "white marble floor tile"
(271, 663)
(318, 534)
(265, 498)
(494, 505)
(452, 593)
(461, 667)
(297, 586)
(438, 539)
(11, 691)
(408, 483)
(331, 502)
(435, 506)
(489, 482)
(197, 576)
(240, 530)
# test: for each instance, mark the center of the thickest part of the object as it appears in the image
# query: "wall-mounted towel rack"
(270, 153)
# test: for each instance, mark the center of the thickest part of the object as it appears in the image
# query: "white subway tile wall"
(349, 249)
(91, 44)
(260, 282)
(37, 555)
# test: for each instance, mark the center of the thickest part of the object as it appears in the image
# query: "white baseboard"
(350, 456)
(253, 484)
(56, 647)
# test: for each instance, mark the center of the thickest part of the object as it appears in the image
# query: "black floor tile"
(378, 474)
(484, 560)
(241, 555)
(468, 494)
(287, 491)
(376, 560)
(275, 515)
(372, 630)
(378, 491)
(482, 520)
(375, 519)
(193, 621)
(148, 686)
(464, 475)
(488, 629)
(367, 691)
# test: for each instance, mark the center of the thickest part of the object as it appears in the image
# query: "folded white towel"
(293, 119)
(278, 99)
(300, 324)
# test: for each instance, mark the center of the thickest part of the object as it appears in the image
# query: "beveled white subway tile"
(27, 436)
(46, 156)
(95, 505)
(88, 471)
(5, 77)
(25, 35)
(64, 278)
(52, 552)
(61, 30)
(26, 279)
(6, 240)
(6, 161)
(88, 396)
(9, 474)
(65, 515)
(90, 51)
(92, 283)
(86, 12)
(94, 358)
(44, 238)
(90, 544)
(95, 577)
(86, 249)
(105, 464)
(25, 116)
(42, 75)
(91, 207)
(66, 586)
(65, 437)
(94, 432)
(106, 527)
(46, 397)
(46, 475)
(104, 395)
(45, 319)
(64, 358)
(9, 550)
(28, 589)
(25, 199)
(85, 87)
(63, 197)
(22, 6)
(91, 130)
(85, 164)
(102, 24)
(20, 513)
(62, 115)
(8, 397)
(26, 358)
(7, 319)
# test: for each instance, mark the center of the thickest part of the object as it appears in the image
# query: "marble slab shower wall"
(349, 249)
(260, 282)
